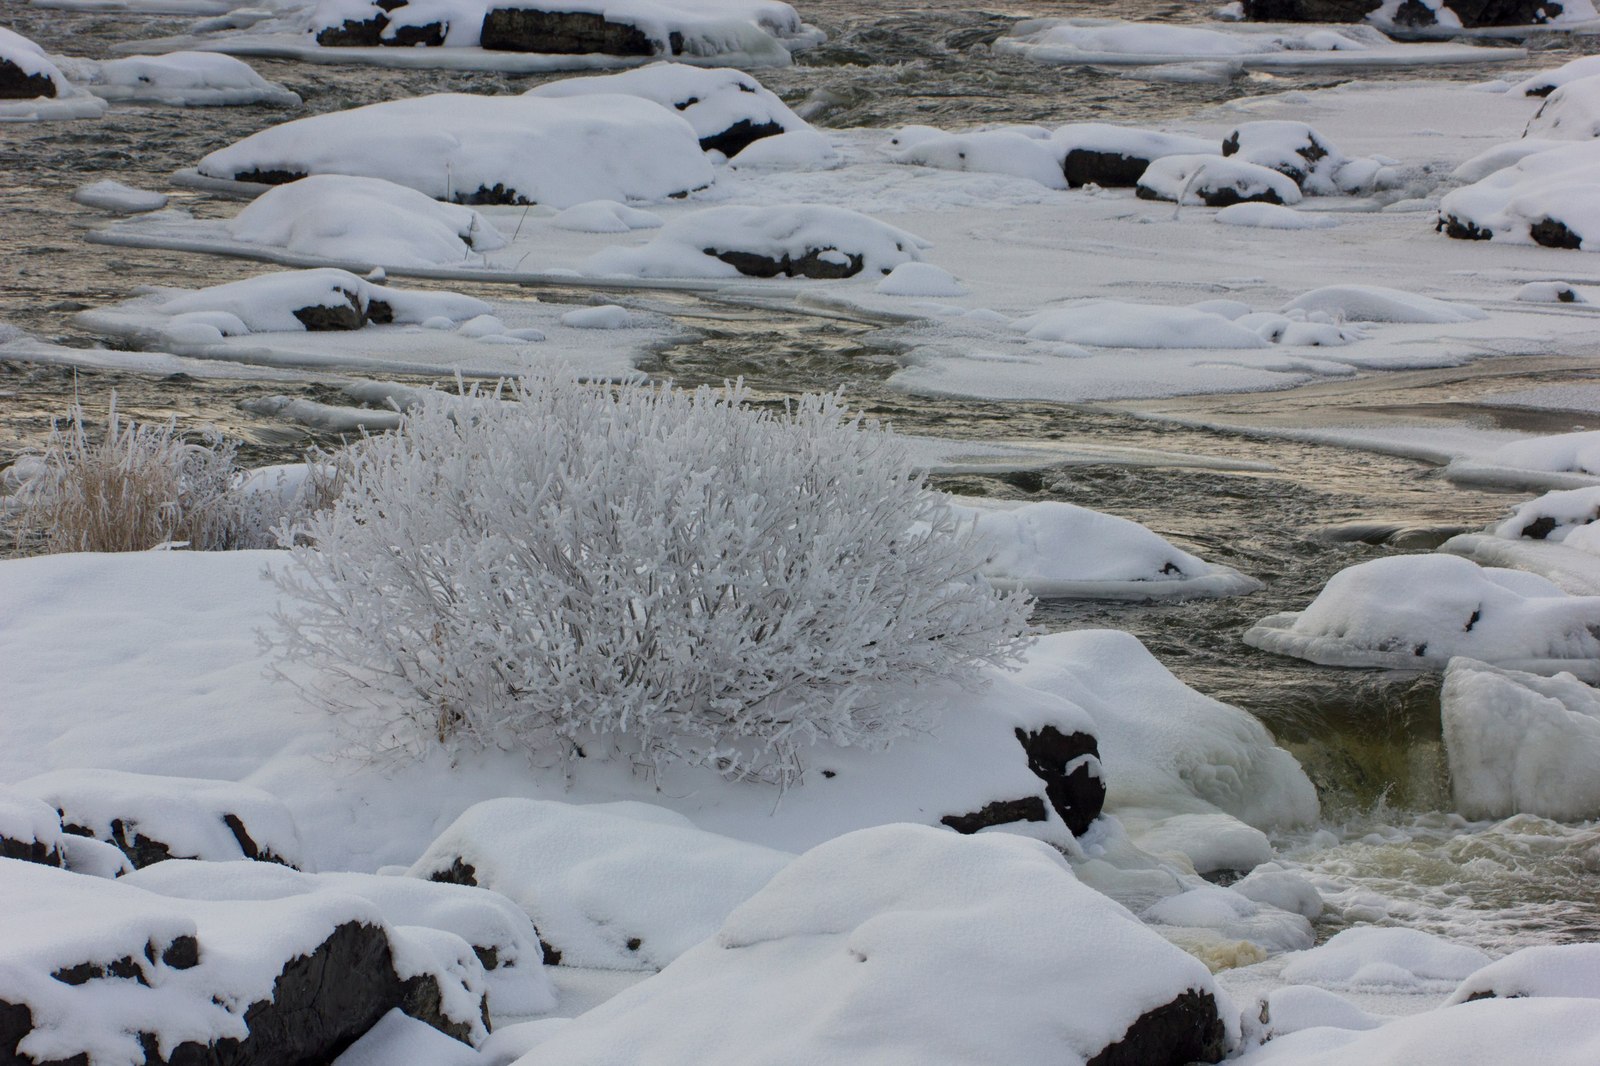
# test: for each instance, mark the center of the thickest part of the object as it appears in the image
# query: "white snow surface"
(1378, 956)
(1372, 303)
(1272, 216)
(1114, 324)
(1521, 743)
(1196, 179)
(109, 195)
(1553, 184)
(1056, 549)
(337, 216)
(920, 279)
(604, 216)
(1571, 112)
(1542, 83)
(397, 1039)
(452, 145)
(865, 941)
(179, 79)
(713, 100)
(989, 152)
(1417, 611)
(27, 819)
(1563, 460)
(1542, 971)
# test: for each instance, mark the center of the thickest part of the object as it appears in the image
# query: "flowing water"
(1369, 740)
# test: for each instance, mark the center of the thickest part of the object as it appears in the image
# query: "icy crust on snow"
(1367, 957)
(865, 942)
(1216, 180)
(844, 241)
(335, 216)
(1543, 971)
(1414, 612)
(1168, 749)
(1552, 1032)
(713, 101)
(1521, 743)
(69, 101)
(189, 815)
(1548, 197)
(466, 148)
(1561, 461)
(1253, 47)
(179, 79)
(54, 920)
(1056, 549)
(500, 934)
(606, 888)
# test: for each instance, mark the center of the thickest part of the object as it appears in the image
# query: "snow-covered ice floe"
(1519, 743)
(179, 79)
(1415, 612)
(1249, 46)
(117, 198)
(515, 36)
(1057, 550)
(1562, 461)
(50, 95)
(328, 319)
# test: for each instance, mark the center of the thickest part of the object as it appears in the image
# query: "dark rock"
(1109, 169)
(1077, 794)
(1553, 233)
(563, 33)
(29, 851)
(380, 312)
(15, 85)
(458, 873)
(552, 954)
(1309, 153)
(498, 194)
(810, 265)
(1026, 809)
(366, 33)
(1222, 196)
(1451, 226)
(1186, 1030)
(235, 825)
(82, 973)
(270, 176)
(489, 956)
(1411, 13)
(739, 136)
(144, 851)
(345, 316)
(423, 999)
(16, 1022)
(430, 35)
(1539, 528)
(182, 954)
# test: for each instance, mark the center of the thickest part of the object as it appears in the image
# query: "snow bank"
(1056, 549)
(1564, 460)
(500, 934)
(485, 149)
(181, 79)
(1417, 611)
(108, 195)
(1546, 970)
(1368, 957)
(1215, 181)
(1550, 197)
(1114, 324)
(989, 152)
(604, 216)
(364, 219)
(1373, 303)
(864, 944)
(34, 70)
(793, 240)
(920, 279)
(151, 817)
(1520, 743)
(728, 109)
(630, 887)
(1168, 749)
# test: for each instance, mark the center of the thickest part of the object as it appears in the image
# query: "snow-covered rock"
(1570, 113)
(1547, 81)
(1563, 460)
(728, 109)
(1501, 156)
(154, 818)
(1301, 154)
(1374, 303)
(108, 195)
(364, 220)
(1398, 959)
(501, 935)
(30, 829)
(180, 79)
(1215, 181)
(988, 152)
(1549, 197)
(1417, 611)
(1549, 292)
(1056, 549)
(1521, 743)
(1114, 324)
(863, 946)
(809, 240)
(920, 279)
(1296, 1007)
(804, 149)
(485, 149)
(613, 886)
(25, 71)
(1545, 970)
(1554, 516)
(1116, 156)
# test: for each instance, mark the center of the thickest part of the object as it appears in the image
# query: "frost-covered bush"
(662, 574)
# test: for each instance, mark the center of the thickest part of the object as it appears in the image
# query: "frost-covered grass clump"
(661, 574)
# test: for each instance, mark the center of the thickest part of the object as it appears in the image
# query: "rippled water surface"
(1369, 740)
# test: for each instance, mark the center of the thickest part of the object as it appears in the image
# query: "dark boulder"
(270, 176)
(565, 33)
(1219, 196)
(1188, 1029)
(1294, 153)
(353, 33)
(1026, 809)
(428, 35)
(816, 263)
(1069, 766)
(1107, 169)
(1553, 233)
(15, 85)
(1451, 226)
(739, 136)
(1410, 14)
(343, 316)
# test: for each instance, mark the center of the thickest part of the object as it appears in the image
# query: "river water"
(1369, 740)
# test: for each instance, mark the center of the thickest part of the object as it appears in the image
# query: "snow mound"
(1547, 81)
(1373, 957)
(364, 220)
(604, 216)
(1208, 843)
(604, 316)
(1564, 460)
(1501, 156)
(920, 279)
(1553, 1032)
(39, 90)
(1215, 181)
(34, 69)
(1549, 292)
(1519, 743)
(790, 240)
(500, 934)
(1546, 970)
(29, 828)
(799, 150)
(151, 817)
(1293, 149)
(988, 152)
(1114, 324)
(1372, 303)
(1550, 197)
(1417, 611)
(1117, 155)
(1553, 516)
(728, 109)
(485, 149)
(1083, 40)
(1210, 916)
(865, 942)
(400, 1040)
(1056, 549)
(1272, 216)
(108, 195)
(605, 888)
(1571, 112)
(183, 79)
(1168, 749)
(1295, 1007)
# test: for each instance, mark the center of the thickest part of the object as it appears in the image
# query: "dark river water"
(1369, 740)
